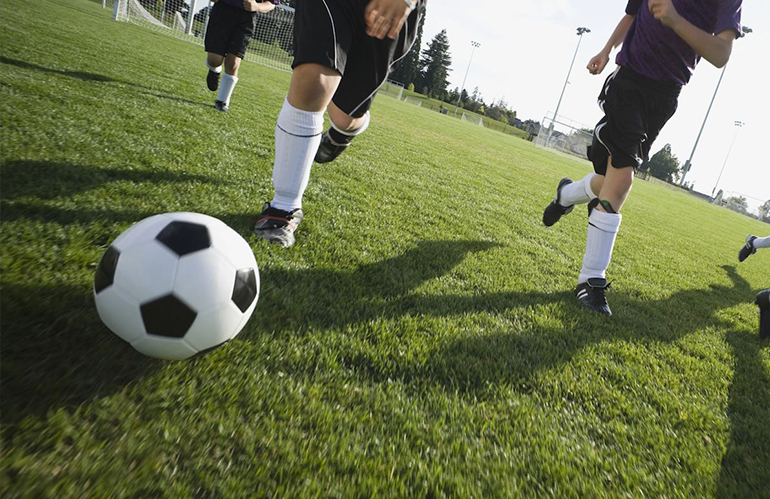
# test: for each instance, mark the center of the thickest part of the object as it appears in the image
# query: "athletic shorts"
(229, 30)
(333, 33)
(635, 110)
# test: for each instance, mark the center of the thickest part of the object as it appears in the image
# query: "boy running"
(663, 40)
(751, 246)
(344, 50)
(231, 26)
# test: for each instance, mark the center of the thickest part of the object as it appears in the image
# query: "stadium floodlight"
(580, 32)
(738, 125)
(745, 30)
(475, 45)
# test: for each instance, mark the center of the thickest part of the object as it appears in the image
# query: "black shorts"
(333, 33)
(635, 110)
(229, 30)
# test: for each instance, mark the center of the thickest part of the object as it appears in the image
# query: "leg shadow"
(746, 464)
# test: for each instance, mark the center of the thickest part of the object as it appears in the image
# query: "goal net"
(272, 44)
(564, 135)
(476, 120)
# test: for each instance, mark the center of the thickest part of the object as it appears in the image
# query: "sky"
(525, 54)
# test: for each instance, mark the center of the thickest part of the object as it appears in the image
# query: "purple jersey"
(656, 51)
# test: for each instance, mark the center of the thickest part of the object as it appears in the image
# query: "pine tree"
(434, 66)
(407, 70)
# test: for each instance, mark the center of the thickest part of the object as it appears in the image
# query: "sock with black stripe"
(602, 230)
(297, 137)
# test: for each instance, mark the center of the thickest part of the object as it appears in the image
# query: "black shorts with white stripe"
(635, 110)
(333, 33)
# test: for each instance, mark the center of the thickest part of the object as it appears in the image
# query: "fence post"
(116, 9)
(190, 16)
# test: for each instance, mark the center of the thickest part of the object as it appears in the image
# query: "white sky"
(526, 50)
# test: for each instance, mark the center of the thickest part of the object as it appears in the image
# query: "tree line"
(426, 72)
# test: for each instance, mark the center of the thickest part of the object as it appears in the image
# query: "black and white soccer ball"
(177, 284)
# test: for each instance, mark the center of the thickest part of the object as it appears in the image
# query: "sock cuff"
(217, 69)
(226, 76)
(607, 222)
(357, 131)
(298, 122)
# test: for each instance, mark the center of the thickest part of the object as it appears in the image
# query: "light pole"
(580, 32)
(739, 125)
(688, 164)
(475, 46)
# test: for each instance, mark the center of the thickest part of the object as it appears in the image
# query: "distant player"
(752, 244)
(663, 40)
(231, 26)
(343, 53)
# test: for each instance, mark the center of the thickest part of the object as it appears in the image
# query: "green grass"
(420, 340)
(436, 105)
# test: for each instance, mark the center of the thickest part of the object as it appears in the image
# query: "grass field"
(420, 340)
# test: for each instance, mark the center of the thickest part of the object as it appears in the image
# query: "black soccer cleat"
(328, 150)
(554, 211)
(591, 295)
(221, 106)
(763, 302)
(278, 226)
(748, 249)
(212, 80)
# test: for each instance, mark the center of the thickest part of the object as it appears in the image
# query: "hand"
(385, 17)
(598, 62)
(664, 11)
(255, 6)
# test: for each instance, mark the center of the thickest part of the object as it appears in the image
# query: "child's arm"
(261, 7)
(599, 61)
(714, 48)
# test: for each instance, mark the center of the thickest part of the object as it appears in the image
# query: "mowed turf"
(420, 340)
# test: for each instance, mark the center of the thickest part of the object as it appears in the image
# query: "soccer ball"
(177, 284)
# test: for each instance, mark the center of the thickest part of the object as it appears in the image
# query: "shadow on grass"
(746, 464)
(57, 354)
(80, 75)
(515, 357)
(99, 78)
(44, 180)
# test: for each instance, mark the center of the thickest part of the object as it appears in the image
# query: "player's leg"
(214, 63)
(752, 244)
(569, 193)
(215, 43)
(368, 65)
(344, 128)
(229, 80)
(297, 137)
(242, 26)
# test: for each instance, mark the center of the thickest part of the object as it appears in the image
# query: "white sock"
(217, 69)
(577, 192)
(297, 137)
(761, 242)
(602, 229)
(226, 88)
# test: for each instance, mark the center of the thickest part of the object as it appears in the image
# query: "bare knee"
(214, 60)
(312, 86)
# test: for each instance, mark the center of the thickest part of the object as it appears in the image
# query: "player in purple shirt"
(229, 31)
(663, 40)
